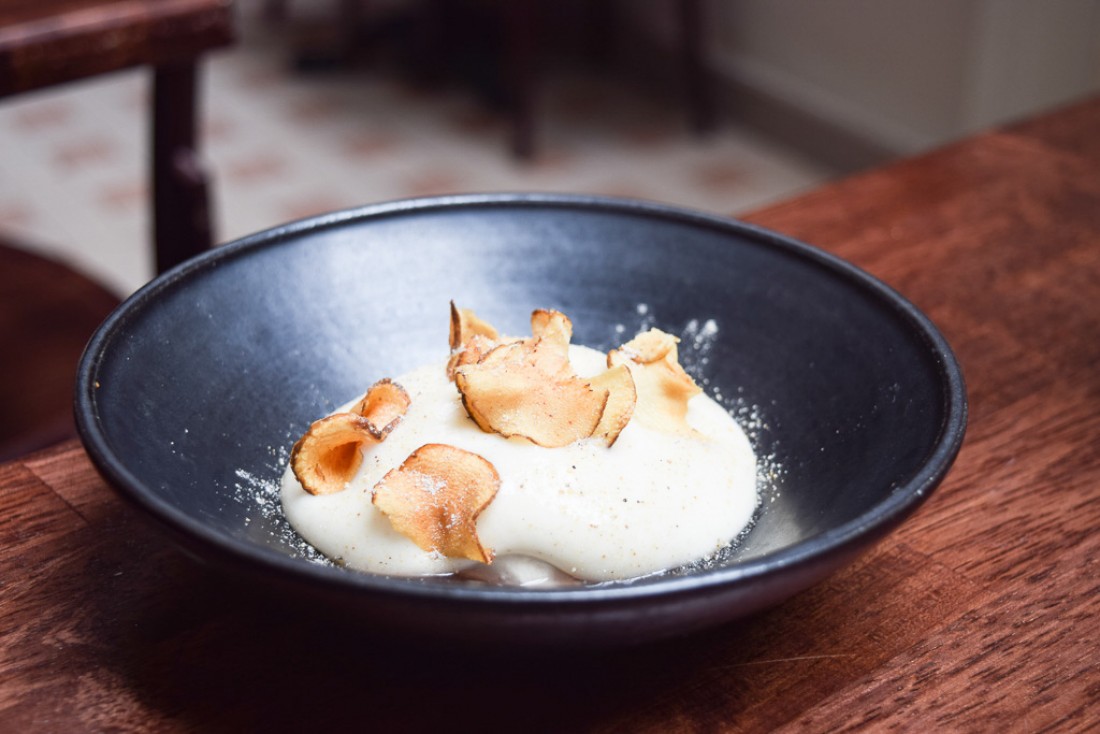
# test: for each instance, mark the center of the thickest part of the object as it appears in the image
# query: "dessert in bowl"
(191, 394)
(526, 461)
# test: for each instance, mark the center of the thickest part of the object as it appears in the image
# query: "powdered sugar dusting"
(260, 495)
(428, 483)
(697, 340)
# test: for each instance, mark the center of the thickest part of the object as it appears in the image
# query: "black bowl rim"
(851, 536)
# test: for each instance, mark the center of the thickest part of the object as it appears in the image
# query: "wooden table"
(980, 614)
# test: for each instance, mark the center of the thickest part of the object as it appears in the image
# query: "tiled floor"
(283, 146)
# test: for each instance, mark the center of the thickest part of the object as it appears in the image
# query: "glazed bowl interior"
(200, 383)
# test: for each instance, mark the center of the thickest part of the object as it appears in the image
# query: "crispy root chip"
(470, 338)
(551, 332)
(662, 385)
(326, 458)
(435, 497)
(650, 346)
(383, 406)
(621, 399)
(553, 326)
(528, 389)
(470, 353)
(465, 324)
(328, 455)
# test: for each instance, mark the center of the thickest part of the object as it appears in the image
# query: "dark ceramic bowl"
(189, 394)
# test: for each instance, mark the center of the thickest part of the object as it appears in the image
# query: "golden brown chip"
(539, 354)
(662, 385)
(514, 352)
(470, 338)
(475, 348)
(435, 497)
(550, 335)
(527, 389)
(383, 406)
(650, 346)
(328, 455)
(523, 403)
(552, 325)
(465, 324)
(621, 399)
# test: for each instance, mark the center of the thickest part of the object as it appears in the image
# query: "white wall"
(1031, 54)
(902, 75)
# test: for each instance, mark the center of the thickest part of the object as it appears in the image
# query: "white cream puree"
(650, 502)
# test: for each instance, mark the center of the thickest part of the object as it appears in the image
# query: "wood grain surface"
(979, 614)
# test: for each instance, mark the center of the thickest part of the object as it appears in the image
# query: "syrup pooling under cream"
(652, 501)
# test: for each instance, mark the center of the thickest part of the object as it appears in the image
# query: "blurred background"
(321, 105)
(719, 105)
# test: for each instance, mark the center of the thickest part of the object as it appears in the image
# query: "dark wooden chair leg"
(696, 84)
(521, 42)
(181, 211)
